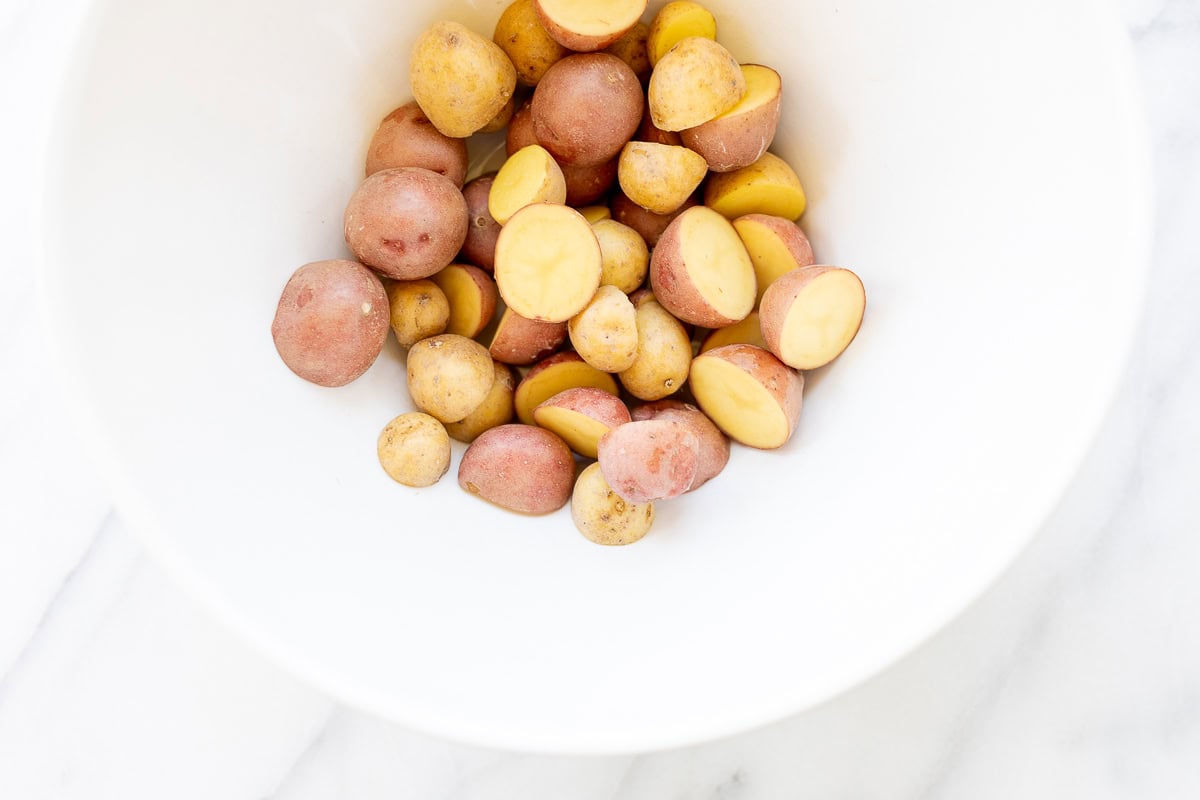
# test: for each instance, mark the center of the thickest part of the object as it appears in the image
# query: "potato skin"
(713, 452)
(406, 223)
(664, 354)
(460, 79)
(521, 341)
(736, 139)
(602, 515)
(406, 138)
(625, 255)
(595, 403)
(695, 81)
(584, 42)
(647, 223)
(586, 107)
(520, 130)
(588, 183)
(649, 460)
(449, 376)
(523, 39)
(419, 309)
(479, 247)
(331, 321)
(495, 410)
(785, 385)
(519, 467)
(631, 48)
(414, 449)
(672, 280)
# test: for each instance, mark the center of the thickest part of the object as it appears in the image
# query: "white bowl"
(981, 166)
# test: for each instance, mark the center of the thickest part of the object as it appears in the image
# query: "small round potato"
(647, 223)
(520, 130)
(586, 108)
(495, 410)
(419, 309)
(406, 138)
(406, 223)
(602, 515)
(479, 248)
(605, 332)
(531, 50)
(519, 467)
(694, 81)
(588, 183)
(331, 321)
(653, 459)
(460, 79)
(449, 376)
(625, 257)
(414, 449)
(631, 48)
(664, 354)
(659, 177)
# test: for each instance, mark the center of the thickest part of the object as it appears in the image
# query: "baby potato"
(594, 214)
(555, 374)
(520, 130)
(460, 79)
(449, 376)
(419, 309)
(664, 354)
(749, 394)
(331, 321)
(586, 108)
(502, 118)
(581, 415)
(472, 296)
(406, 138)
(648, 132)
(810, 315)
(713, 453)
(776, 246)
(650, 460)
(747, 331)
(659, 177)
(519, 467)
(675, 22)
(740, 136)
(530, 175)
(406, 223)
(587, 26)
(520, 341)
(631, 48)
(479, 248)
(589, 182)
(623, 253)
(602, 515)
(605, 332)
(694, 81)
(414, 449)
(700, 270)
(495, 410)
(526, 43)
(547, 262)
(646, 223)
(768, 186)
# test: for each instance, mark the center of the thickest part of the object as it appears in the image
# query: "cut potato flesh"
(675, 22)
(538, 387)
(740, 403)
(822, 320)
(745, 332)
(769, 253)
(548, 262)
(717, 262)
(594, 214)
(592, 18)
(530, 175)
(768, 186)
(578, 430)
(472, 298)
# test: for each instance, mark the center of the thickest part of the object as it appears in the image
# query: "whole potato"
(479, 248)
(449, 376)
(648, 460)
(602, 515)
(331, 321)
(646, 223)
(520, 35)
(495, 410)
(460, 79)
(419, 309)
(586, 108)
(631, 48)
(406, 138)
(519, 467)
(520, 130)
(406, 223)
(414, 449)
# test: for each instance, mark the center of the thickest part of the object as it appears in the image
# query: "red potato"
(741, 135)
(776, 246)
(519, 467)
(521, 341)
(555, 374)
(588, 183)
(750, 394)
(581, 416)
(700, 270)
(587, 26)
(520, 130)
(713, 454)
(406, 138)
(586, 107)
(479, 247)
(810, 315)
(646, 223)
(649, 460)
(406, 223)
(331, 321)
(631, 48)
(649, 132)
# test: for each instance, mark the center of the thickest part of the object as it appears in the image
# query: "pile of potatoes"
(636, 251)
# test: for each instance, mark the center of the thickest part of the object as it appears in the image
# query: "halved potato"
(750, 394)
(472, 296)
(659, 177)
(530, 175)
(768, 186)
(700, 270)
(602, 515)
(581, 416)
(495, 410)
(810, 315)
(648, 224)
(675, 22)
(521, 342)
(695, 81)
(776, 246)
(745, 332)
(594, 214)
(739, 137)
(586, 25)
(548, 262)
(556, 374)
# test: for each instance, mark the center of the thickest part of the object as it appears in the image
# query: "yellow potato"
(471, 294)
(414, 449)
(810, 315)
(750, 394)
(530, 175)
(675, 22)
(526, 43)
(495, 410)
(768, 186)
(747, 331)
(419, 309)
(604, 333)
(581, 416)
(631, 48)
(695, 81)
(742, 134)
(460, 79)
(602, 515)
(664, 354)
(625, 257)
(548, 262)
(659, 177)
(502, 118)
(556, 374)
(449, 376)
(594, 214)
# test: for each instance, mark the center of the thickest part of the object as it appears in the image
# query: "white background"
(1077, 675)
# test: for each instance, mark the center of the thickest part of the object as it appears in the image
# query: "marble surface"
(1077, 675)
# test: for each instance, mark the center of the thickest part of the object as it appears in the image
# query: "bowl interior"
(994, 206)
